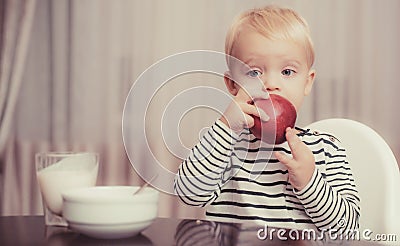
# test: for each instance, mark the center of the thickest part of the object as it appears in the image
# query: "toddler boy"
(307, 183)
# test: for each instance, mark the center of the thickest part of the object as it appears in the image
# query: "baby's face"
(280, 65)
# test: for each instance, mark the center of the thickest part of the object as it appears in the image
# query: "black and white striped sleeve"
(331, 198)
(200, 175)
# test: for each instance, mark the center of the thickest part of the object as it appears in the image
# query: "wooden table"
(31, 230)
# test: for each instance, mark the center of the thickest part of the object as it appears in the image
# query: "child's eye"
(288, 72)
(254, 73)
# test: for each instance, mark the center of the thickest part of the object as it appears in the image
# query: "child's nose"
(271, 85)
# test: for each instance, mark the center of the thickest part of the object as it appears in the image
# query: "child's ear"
(309, 82)
(233, 88)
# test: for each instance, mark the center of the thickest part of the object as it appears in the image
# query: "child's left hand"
(301, 166)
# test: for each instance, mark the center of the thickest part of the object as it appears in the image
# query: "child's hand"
(301, 166)
(237, 116)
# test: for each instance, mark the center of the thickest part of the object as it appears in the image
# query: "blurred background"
(67, 68)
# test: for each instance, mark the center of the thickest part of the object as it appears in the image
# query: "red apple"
(282, 114)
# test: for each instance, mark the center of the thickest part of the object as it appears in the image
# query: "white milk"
(76, 171)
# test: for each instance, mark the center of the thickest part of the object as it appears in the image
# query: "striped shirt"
(238, 179)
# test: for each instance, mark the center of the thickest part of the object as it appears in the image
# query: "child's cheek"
(243, 95)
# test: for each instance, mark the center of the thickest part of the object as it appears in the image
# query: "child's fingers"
(249, 121)
(294, 142)
(259, 94)
(284, 159)
(263, 116)
(300, 151)
(253, 110)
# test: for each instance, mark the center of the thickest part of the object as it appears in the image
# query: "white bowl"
(110, 211)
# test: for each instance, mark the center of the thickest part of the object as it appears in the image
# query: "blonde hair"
(274, 23)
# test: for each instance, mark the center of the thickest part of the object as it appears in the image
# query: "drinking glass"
(57, 172)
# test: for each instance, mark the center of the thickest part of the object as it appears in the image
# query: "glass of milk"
(61, 171)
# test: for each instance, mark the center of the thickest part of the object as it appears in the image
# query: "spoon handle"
(145, 185)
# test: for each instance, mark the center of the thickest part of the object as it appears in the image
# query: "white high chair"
(375, 170)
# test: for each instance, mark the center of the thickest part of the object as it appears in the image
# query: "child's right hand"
(238, 114)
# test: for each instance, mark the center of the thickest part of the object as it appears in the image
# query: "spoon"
(145, 185)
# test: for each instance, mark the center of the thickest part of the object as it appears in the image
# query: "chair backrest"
(375, 170)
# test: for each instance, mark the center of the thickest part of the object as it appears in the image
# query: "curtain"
(15, 28)
(84, 56)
